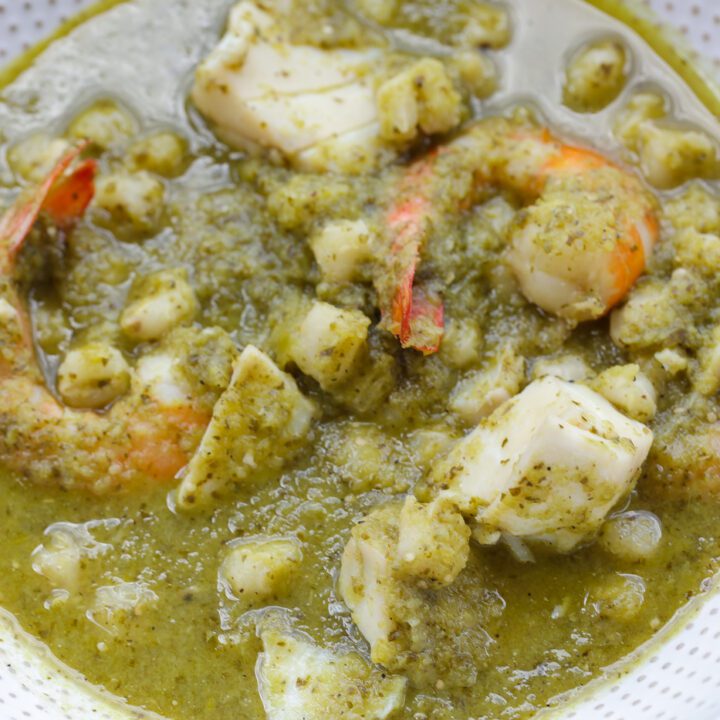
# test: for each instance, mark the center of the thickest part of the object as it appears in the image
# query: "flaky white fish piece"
(299, 680)
(549, 465)
(316, 106)
(257, 424)
(367, 582)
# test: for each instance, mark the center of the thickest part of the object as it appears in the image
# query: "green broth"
(233, 222)
(211, 674)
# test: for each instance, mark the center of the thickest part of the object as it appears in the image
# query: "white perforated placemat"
(680, 680)
(24, 22)
(700, 21)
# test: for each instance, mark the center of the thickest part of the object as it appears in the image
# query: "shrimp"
(150, 433)
(411, 312)
(582, 239)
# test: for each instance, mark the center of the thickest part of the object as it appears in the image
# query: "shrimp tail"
(410, 313)
(426, 325)
(64, 198)
(402, 303)
(67, 201)
(417, 316)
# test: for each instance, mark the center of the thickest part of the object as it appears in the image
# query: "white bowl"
(675, 677)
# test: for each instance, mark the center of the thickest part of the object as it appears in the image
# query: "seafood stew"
(357, 359)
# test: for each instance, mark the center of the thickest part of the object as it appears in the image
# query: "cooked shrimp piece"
(547, 466)
(150, 432)
(410, 311)
(64, 197)
(582, 240)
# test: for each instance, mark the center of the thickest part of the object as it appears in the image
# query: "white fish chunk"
(299, 680)
(259, 90)
(548, 465)
(258, 422)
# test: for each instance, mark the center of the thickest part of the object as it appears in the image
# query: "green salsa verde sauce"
(535, 630)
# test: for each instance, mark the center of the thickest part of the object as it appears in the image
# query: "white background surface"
(681, 681)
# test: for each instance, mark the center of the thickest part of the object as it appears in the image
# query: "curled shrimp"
(582, 239)
(150, 433)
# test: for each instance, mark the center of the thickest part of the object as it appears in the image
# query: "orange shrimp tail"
(402, 303)
(426, 323)
(409, 313)
(66, 200)
(17, 223)
(69, 198)
(406, 223)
